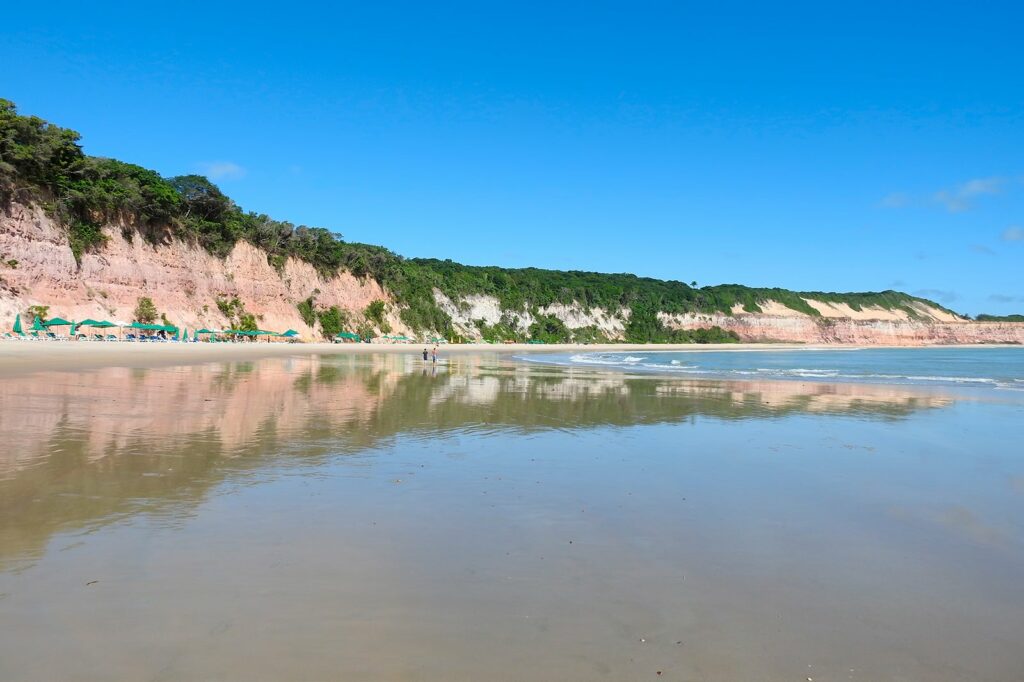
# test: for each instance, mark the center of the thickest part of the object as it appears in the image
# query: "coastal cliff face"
(185, 282)
(837, 324)
(796, 327)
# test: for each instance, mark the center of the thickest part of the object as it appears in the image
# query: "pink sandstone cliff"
(183, 280)
(37, 268)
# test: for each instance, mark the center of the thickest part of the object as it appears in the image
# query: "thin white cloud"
(895, 200)
(1014, 233)
(982, 249)
(943, 295)
(1005, 298)
(222, 170)
(962, 197)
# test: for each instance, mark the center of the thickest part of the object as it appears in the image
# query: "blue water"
(998, 368)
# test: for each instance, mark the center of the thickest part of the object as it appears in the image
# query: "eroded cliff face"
(838, 323)
(37, 267)
(185, 282)
(797, 327)
(466, 312)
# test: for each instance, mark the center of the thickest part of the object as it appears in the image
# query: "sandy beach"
(18, 357)
(30, 356)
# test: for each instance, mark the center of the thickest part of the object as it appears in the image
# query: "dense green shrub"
(306, 311)
(247, 322)
(375, 312)
(145, 310)
(999, 318)
(549, 329)
(40, 311)
(332, 321)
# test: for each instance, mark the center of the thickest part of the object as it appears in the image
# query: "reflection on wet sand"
(92, 447)
(370, 517)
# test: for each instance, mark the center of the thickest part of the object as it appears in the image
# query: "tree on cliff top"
(34, 153)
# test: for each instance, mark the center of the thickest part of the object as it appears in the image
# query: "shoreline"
(20, 357)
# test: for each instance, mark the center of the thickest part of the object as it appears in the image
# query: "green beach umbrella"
(72, 332)
(17, 324)
(102, 324)
(290, 333)
(57, 322)
(37, 326)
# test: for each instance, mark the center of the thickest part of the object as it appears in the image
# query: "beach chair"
(8, 335)
(111, 337)
(98, 337)
(130, 337)
(50, 336)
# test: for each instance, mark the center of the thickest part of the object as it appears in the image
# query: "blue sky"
(810, 146)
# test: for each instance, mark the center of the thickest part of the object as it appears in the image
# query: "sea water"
(996, 367)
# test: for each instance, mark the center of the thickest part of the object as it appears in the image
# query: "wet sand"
(363, 516)
(19, 357)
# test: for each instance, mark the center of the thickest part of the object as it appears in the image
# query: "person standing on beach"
(433, 354)
(424, 355)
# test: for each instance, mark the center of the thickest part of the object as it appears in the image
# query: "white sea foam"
(679, 367)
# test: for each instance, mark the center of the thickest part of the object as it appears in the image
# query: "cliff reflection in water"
(88, 448)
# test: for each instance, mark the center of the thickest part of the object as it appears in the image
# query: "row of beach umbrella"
(39, 326)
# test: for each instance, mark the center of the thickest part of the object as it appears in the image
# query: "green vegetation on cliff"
(43, 163)
(999, 318)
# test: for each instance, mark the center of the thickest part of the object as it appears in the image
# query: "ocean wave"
(590, 359)
(801, 372)
(597, 359)
(676, 366)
